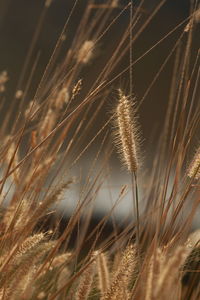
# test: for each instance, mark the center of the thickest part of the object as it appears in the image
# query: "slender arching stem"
(136, 208)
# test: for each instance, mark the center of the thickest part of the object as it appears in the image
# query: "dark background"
(18, 21)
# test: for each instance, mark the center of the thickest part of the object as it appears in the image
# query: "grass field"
(64, 134)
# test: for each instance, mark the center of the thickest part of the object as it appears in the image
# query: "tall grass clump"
(56, 142)
(126, 137)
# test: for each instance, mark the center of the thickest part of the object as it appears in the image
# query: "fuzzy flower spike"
(126, 133)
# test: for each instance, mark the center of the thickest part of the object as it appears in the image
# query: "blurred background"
(18, 24)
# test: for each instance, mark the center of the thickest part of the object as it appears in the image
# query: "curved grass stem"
(136, 210)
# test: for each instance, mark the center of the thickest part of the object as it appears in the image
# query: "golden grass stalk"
(85, 53)
(48, 3)
(30, 243)
(12, 156)
(64, 275)
(24, 287)
(127, 142)
(19, 94)
(190, 277)
(22, 266)
(193, 239)
(61, 98)
(61, 259)
(41, 295)
(115, 3)
(85, 284)
(121, 278)
(16, 215)
(103, 273)
(3, 80)
(150, 278)
(195, 18)
(169, 277)
(31, 110)
(22, 261)
(58, 261)
(77, 88)
(194, 168)
(4, 293)
(126, 133)
(48, 123)
(51, 199)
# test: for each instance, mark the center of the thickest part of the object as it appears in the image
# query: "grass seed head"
(194, 168)
(3, 79)
(85, 53)
(126, 133)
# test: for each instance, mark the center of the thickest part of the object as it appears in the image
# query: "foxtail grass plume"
(19, 94)
(48, 3)
(85, 53)
(194, 168)
(61, 98)
(85, 284)
(115, 3)
(168, 278)
(126, 132)
(48, 123)
(121, 278)
(63, 276)
(30, 243)
(195, 19)
(3, 80)
(31, 110)
(77, 88)
(103, 273)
